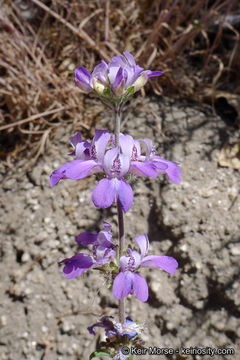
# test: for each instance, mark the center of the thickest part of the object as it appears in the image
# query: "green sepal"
(107, 92)
(127, 95)
(130, 90)
(99, 353)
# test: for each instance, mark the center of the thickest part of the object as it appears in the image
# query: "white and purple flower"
(129, 281)
(129, 328)
(150, 164)
(94, 158)
(103, 252)
(115, 81)
(116, 162)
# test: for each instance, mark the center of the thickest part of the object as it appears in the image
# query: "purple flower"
(112, 329)
(89, 158)
(116, 165)
(93, 158)
(129, 281)
(103, 251)
(150, 164)
(115, 81)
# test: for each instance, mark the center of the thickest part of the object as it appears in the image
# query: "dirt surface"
(45, 316)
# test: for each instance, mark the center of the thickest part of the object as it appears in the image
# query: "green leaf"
(99, 353)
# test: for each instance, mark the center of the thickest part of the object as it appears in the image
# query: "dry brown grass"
(196, 43)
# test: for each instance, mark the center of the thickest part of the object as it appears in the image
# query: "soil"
(45, 316)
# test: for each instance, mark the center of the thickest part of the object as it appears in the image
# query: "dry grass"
(196, 43)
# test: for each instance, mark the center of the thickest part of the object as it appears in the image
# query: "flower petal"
(118, 61)
(77, 138)
(101, 73)
(99, 144)
(104, 194)
(58, 174)
(113, 73)
(79, 169)
(74, 170)
(86, 238)
(129, 75)
(173, 171)
(116, 164)
(149, 147)
(82, 150)
(153, 73)
(126, 142)
(118, 79)
(140, 287)
(130, 58)
(76, 265)
(166, 263)
(122, 285)
(82, 79)
(143, 243)
(125, 195)
(105, 236)
(143, 168)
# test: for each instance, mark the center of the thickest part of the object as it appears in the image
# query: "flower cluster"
(114, 82)
(117, 336)
(103, 251)
(101, 156)
(127, 279)
(112, 329)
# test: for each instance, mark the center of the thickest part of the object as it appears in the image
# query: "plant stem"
(120, 213)
(117, 113)
(121, 247)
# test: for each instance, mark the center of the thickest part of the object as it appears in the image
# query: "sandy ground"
(45, 316)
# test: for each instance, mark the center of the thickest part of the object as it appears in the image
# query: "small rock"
(235, 250)
(3, 321)
(184, 247)
(26, 257)
(44, 328)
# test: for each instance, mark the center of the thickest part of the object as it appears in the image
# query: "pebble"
(155, 286)
(174, 206)
(183, 247)
(66, 326)
(26, 257)
(198, 265)
(44, 328)
(3, 321)
(199, 304)
(56, 164)
(53, 244)
(170, 326)
(235, 250)
(49, 315)
(47, 220)
(42, 235)
(28, 291)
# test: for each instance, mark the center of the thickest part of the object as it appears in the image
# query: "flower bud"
(98, 87)
(140, 82)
